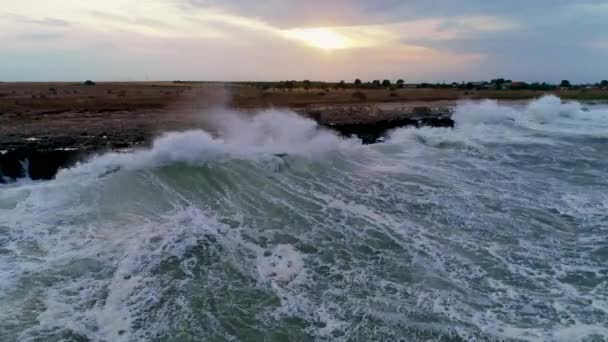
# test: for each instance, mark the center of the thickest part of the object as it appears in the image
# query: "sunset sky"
(430, 40)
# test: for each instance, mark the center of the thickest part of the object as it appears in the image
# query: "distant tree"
(89, 83)
(498, 83)
(400, 83)
(540, 86)
(469, 85)
(565, 84)
(342, 84)
(604, 83)
(386, 83)
(357, 82)
(306, 84)
(376, 83)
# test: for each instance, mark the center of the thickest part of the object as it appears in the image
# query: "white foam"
(549, 113)
(488, 121)
(245, 137)
(483, 113)
(545, 110)
(284, 266)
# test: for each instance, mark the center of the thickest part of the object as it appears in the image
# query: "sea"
(274, 229)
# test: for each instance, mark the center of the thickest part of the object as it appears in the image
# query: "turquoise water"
(495, 230)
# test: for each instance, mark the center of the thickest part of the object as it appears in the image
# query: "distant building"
(410, 85)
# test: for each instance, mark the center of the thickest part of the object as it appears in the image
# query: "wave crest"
(269, 133)
(490, 121)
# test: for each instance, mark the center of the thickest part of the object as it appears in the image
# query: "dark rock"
(119, 145)
(37, 164)
(370, 133)
(371, 123)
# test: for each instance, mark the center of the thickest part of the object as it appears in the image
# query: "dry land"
(116, 115)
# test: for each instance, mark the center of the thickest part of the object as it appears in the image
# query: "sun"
(321, 38)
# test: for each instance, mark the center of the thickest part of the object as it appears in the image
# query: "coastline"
(53, 125)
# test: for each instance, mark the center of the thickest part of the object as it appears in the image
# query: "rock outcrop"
(371, 124)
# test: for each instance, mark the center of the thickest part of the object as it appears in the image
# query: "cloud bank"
(431, 40)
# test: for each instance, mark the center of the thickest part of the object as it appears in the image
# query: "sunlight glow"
(321, 38)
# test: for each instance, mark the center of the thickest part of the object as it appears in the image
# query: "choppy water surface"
(496, 230)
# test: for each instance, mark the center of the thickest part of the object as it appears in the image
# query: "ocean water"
(276, 230)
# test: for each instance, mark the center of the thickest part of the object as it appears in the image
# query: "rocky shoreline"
(371, 123)
(45, 127)
(40, 157)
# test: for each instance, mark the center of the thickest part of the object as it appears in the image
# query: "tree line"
(498, 83)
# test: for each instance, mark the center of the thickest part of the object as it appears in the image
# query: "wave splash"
(490, 121)
(266, 134)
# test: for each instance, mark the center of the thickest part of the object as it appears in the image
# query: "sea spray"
(489, 121)
(267, 134)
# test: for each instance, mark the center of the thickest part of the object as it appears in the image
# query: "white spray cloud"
(238, 136)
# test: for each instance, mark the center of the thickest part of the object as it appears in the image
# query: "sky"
(252, 40)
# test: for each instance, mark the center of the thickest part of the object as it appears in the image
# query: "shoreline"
(54, 125)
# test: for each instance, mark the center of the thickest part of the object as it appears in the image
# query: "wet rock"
(371, 124)
(370, 133)
(40, 157)
(35, 164)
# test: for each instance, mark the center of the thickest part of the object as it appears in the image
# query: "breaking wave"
(540, 121)
(271, 133)
(271, 228)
